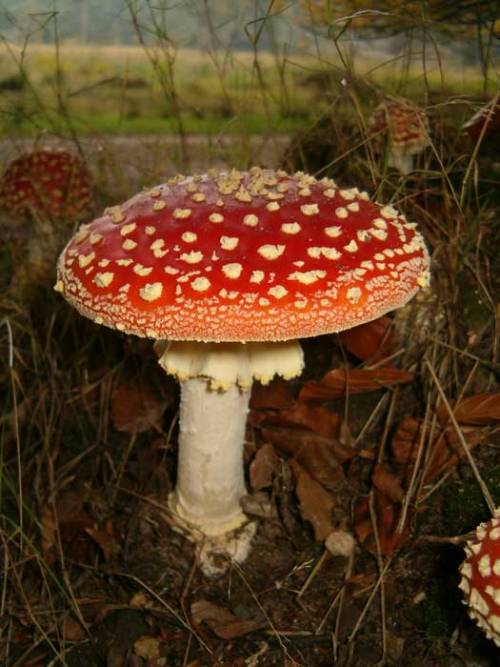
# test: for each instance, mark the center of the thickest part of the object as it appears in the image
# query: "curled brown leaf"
(374, 340)
(387, 515)
(340, 381)
(135, 407)
(316, 503)
(319, 419)
(481, 409)
(387, 483)
(264, 467)
(221, 621)
(273, 396)
(321, 457)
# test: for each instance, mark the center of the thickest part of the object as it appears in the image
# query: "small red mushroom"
(50, 183)
(50, 186)
(404, 127)
(232, 268)
(487, 117)
(481, 578)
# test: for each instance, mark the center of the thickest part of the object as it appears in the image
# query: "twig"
(321, 561)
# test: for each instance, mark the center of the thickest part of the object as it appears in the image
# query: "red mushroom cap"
(243, 256)
(488, 115)
(51, 182)
(481, 578)
(406, 124)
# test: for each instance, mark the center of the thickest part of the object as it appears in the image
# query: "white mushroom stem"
(210, 480)
(403, 162)
(216, 379)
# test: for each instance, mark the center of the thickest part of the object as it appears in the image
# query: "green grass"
(108, 123)
(117, 90)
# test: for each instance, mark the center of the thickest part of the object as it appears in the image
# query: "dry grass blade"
(272, 628)
(15, 421)
(369, 600)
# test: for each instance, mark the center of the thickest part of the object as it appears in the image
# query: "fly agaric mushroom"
(405, 128)
(50, 183)
(481, 577)
(231, 268)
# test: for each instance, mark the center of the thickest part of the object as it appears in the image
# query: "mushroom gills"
(226, 364)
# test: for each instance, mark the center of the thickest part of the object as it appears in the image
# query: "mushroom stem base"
(215, 552)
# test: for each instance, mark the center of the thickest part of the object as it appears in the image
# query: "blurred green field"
(115, 90)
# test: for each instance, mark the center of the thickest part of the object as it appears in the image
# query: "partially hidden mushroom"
(49, 184)
(403, 128)
(485, 122)
(48, 187)
(480, 580)
(227, 270)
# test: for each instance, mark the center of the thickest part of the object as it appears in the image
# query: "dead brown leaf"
(362, 580)
(71, 519)
(387, 515)
(221, 621)
(321, 457)
(259, 504)
(319, 419)
(264, 467)
(273, 396)
(135, 407)
(316, 503)
(387, 483)
(104, 538)
(374, 340)
(395, 647)
(481, 409)
(405, 441)
(447, 450)
(72, 630)
(339, 381)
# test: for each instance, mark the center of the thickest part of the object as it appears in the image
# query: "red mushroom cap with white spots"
(481, 578)
(243, 256)
(50, 182)
(405, 123)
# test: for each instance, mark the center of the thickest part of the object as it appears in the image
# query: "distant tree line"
(196, 23)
